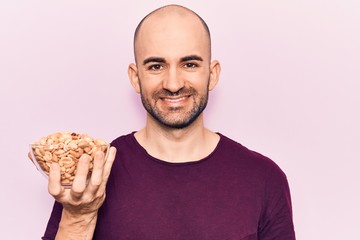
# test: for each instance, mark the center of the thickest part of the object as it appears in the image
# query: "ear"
(215, 69)
(134, 77)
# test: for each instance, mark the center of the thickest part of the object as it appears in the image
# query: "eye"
(155, 67)
(190, 65)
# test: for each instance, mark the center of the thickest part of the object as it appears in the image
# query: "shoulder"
(260, 170)
(126, 139)
(248, 158)
(126, 146)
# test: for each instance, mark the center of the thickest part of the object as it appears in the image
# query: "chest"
(186, 204)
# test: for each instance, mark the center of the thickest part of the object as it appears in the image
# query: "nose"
(173, 82)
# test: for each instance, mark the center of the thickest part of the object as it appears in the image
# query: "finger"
(97, 172)
(54, 186)
(80, 181)
(108, 165)
(30, 156)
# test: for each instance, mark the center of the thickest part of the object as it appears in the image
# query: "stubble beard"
(175, 122)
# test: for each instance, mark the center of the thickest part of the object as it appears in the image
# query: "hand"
(82, 201)
(83, 197)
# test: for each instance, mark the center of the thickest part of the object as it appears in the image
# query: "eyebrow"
(153, 59)
(191, 58)
(162, 60)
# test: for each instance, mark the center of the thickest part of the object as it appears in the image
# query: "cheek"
(200, 83)
(147, 84)
(148, 92)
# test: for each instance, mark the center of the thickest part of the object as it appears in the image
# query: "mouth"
(175, 102)
(174, 99)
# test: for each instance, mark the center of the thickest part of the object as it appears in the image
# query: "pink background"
(289, 89)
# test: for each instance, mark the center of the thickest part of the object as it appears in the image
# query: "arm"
(81, 202)
(76, 226)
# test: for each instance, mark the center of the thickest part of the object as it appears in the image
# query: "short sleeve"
(276, 220)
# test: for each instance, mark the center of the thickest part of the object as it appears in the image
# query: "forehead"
(172, 35)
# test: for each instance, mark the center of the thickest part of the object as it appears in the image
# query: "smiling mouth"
(174, 100)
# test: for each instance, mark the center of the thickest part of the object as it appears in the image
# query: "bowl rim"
(45, 173)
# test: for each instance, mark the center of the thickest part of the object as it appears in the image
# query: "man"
(173, 179)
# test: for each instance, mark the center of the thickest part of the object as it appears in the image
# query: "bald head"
(166, 14)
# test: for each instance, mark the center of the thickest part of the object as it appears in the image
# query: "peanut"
(66, 148)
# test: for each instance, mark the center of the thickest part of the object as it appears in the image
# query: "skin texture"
(173, 75)
(168, 9)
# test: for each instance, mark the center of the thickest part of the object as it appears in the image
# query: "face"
(173, 72)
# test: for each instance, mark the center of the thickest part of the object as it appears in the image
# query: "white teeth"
(174, 100)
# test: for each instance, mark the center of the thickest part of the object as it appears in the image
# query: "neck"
(177, 145)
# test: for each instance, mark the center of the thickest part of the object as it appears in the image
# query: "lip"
(175, 100)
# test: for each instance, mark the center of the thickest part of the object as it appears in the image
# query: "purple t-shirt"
(234, 193)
